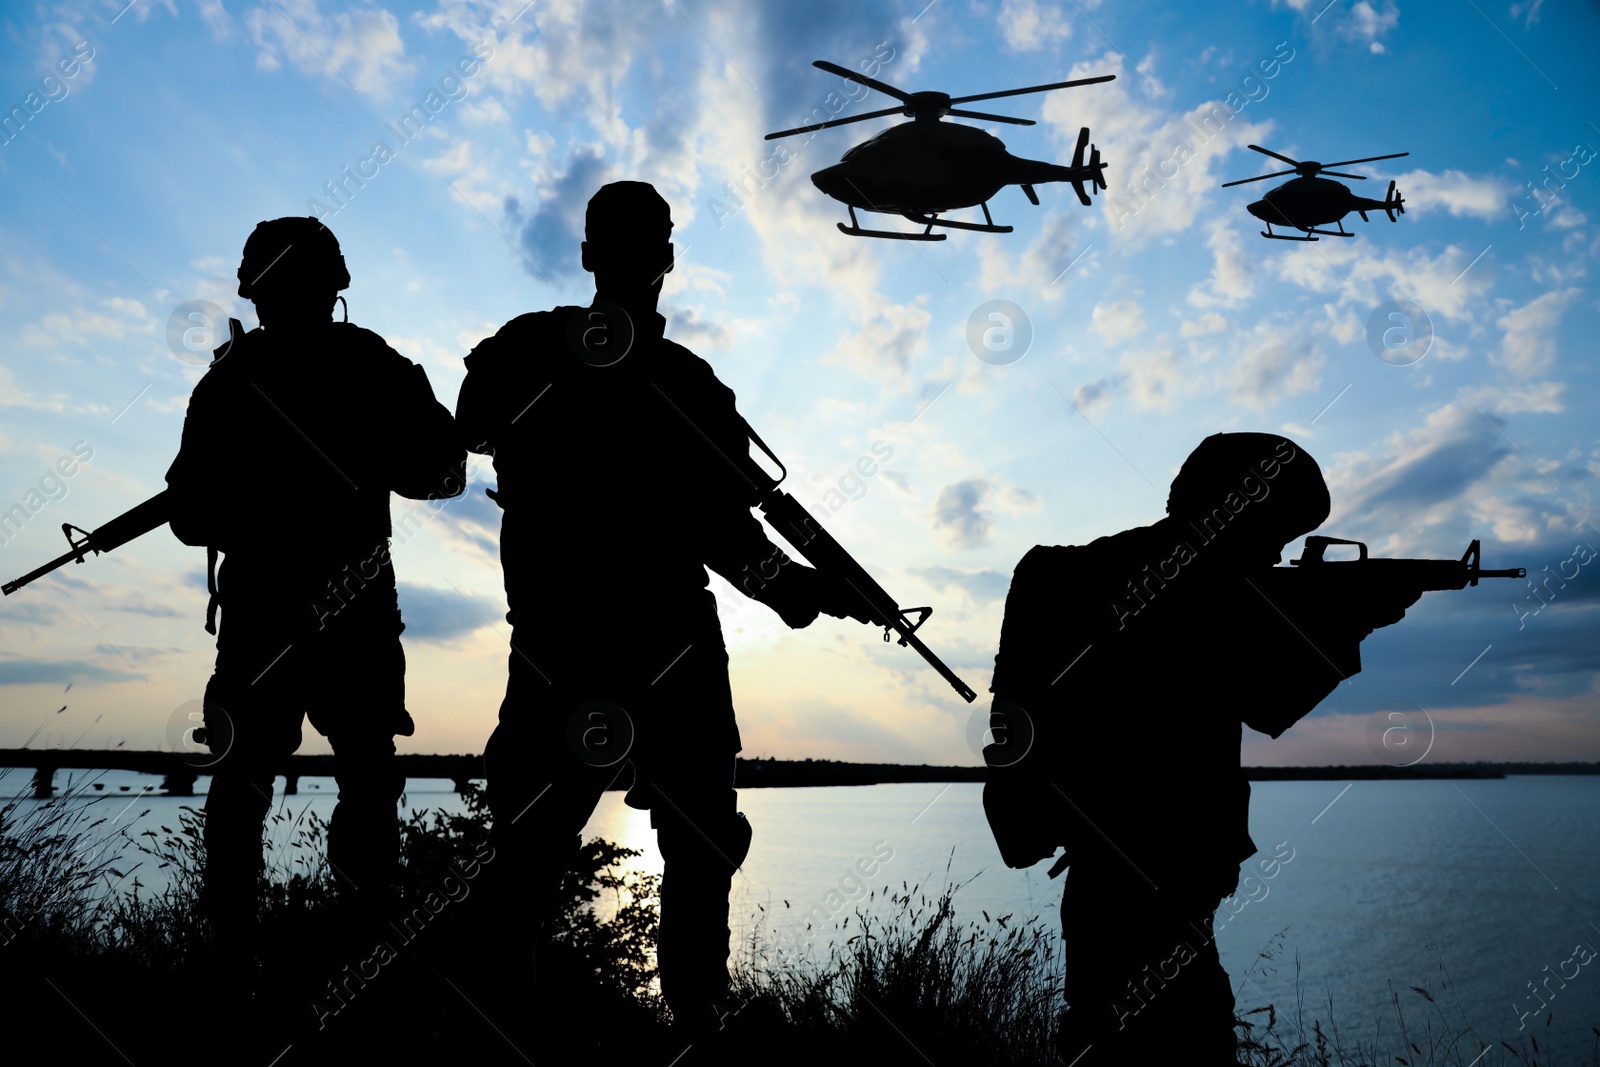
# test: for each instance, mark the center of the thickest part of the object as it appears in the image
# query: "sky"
(451, 147)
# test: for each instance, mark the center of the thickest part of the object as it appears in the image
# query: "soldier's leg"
(540, 793)
(689, 738)
(1196, 1025)
(358, 668)
(1143, 979)
(364, 832)
(248, 739)
(703, 840)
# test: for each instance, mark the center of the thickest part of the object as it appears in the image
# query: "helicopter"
(926, 167)
(1307, 201)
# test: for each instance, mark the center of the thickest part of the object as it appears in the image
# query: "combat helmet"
(299, 252)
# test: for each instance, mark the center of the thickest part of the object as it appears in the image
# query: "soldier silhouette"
(1125, 670)
(613, 448)
(293, 441)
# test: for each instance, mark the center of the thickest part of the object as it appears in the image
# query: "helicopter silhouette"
(1307, 201)
(926, 167)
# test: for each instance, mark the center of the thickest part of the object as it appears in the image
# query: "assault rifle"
(790, 518)
(1424, 574)
(135, 522)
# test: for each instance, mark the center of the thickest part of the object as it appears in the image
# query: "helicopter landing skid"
(929, 220)
(855, 230)
(1308, 231)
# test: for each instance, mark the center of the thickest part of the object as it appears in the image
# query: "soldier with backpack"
(1127, 668)
(293, 441)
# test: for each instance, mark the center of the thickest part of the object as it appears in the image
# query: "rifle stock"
(135, 522)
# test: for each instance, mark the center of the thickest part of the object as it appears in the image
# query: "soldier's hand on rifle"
(793, 595)
(1388, 606)
(839, 599)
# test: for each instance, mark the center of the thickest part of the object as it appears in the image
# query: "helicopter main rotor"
(927, 106)
(1309, 168)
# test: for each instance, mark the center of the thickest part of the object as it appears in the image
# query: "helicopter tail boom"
(1085, 177)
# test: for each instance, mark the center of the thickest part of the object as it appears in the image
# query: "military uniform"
(1135, 661)
(618, 490)
(292, 444)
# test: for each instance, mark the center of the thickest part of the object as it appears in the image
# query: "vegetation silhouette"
(101, 968)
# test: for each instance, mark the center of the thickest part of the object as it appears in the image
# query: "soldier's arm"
(478, 419)
(431, 461)
(1299, 652)
(197, 480)
(498, 387)
(736, 544)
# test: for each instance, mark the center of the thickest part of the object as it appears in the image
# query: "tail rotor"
(1096, 169)
(1393, 202)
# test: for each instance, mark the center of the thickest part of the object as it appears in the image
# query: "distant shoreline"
(756, 773)
(181, 775)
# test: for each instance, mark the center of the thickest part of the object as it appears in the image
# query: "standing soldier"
(614, 450)
(292, 443)
(1126, 668)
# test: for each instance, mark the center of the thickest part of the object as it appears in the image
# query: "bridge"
(179, 771)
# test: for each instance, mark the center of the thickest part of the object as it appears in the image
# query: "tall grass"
(90, 955)
(914, 982)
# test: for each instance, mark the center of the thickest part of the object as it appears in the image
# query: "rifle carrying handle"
(1317, 544)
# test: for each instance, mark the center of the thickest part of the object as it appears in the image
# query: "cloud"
(552, 235)
(138, 604)
(1414, 490)
(141, 653)
(889, 339)
(1162, 166)
(1542, 397)
(441, 615)
(1028, 25)
(983, 587)
(963, 512)
(55, 672)
(956, 513)
(472, 519)
(1233, 275)
(13, 395)
(87, 328)
(1460, 194)
(688, 328)
(1096, 394)
(1366, 275)
(1367, 23)
(1157, 376)
(1531, 9)
(1118, 321)
(1529, 346)
(30, 613)
(362, 47)
(1276, 364)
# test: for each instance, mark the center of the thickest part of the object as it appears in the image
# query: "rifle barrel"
(113, 533)
(790, 518)
(966, 691)
(60, 561)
